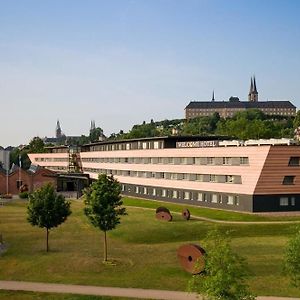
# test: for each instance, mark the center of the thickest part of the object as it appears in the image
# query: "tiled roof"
(240, 104)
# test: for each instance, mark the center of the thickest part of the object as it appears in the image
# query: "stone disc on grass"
(186, 214)
(191, 258)
(162, 208)
(163, 216)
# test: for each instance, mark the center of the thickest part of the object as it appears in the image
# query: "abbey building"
(229, 108)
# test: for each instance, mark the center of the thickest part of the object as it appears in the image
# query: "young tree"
(47, 209)
(103, 205)
(225, 272)
(292, 258)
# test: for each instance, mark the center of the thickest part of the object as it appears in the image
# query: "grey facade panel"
(167, 195)
(271, 203)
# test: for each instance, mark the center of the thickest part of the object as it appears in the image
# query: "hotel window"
(205, 197)
(170, 160)
(236, 200)
(212, 178)
(219, 198)
(192, 177)
(293, 202)
(210, 160)
(187, 195)
(214, 198)
(164, 193)
(244, 160)
(294, 161)
(175, 194)
(229, 178)
(227, 160)
(137, 189)
(200, 197)
(284, 201)
(179, 176)
(197, 160)
(185, 176)
(145, 191)
(183, 160)
(230, 200)
(190, 160)
(199, 177)
(288, 180)
(154, 192)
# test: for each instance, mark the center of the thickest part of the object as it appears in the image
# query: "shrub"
(24, 195)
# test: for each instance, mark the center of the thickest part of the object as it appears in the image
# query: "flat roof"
(164, 138)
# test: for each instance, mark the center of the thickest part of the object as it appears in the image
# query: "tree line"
(249, 124)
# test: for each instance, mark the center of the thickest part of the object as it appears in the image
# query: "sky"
(123, 62)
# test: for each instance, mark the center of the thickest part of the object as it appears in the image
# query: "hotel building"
(252, 176)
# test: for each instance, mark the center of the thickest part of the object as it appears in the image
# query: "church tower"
(58, 132)
(253, 94)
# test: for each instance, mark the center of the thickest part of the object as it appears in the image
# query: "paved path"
(106, 291)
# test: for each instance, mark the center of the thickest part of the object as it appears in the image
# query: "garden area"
(143, 250)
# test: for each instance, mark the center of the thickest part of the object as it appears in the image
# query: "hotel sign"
(197, 144)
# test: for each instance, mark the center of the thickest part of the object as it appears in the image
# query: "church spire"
(254, 85)
(58, 133)
(253, 94)
(213, 96)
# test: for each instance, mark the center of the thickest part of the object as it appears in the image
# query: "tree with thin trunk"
(103, 205)
(47, 209)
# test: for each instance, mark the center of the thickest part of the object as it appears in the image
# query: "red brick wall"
(33, 180)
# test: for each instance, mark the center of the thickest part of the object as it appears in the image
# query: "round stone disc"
(162, 208)
(191, 258)
(186, 214)
(163, 216)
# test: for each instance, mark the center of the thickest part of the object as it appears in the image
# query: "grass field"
(143, 248)
(216, 214)
(12, 295)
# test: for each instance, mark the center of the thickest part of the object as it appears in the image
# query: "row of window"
(52, 159)
(179, 194)
(172, 160)
(128, 146)
(56, 168)
(235, 179)
(287, 201)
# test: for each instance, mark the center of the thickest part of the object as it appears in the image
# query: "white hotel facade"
(205, 171)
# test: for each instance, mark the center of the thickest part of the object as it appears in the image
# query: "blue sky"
(123, 62)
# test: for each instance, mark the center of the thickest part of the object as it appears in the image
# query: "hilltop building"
(59, 138)
(229, 108)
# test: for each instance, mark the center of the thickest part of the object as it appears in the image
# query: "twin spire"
(253, 94)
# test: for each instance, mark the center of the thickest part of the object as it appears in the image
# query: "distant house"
(34, 178)
(228, 108)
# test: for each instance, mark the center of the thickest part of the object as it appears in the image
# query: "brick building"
(34, 178)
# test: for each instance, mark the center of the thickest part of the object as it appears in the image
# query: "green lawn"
(143, 248)
(13, 295)
(215, 214)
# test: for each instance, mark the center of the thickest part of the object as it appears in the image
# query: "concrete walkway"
(106, 291)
